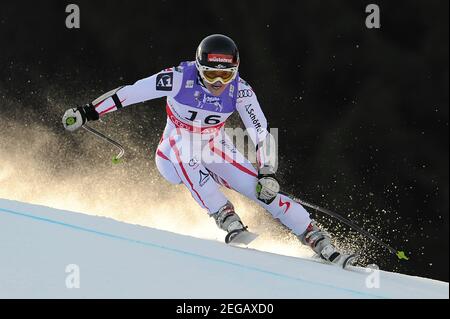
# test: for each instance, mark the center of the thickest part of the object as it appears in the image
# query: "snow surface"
(118, 260)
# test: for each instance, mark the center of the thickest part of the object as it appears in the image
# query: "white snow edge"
(119, 260)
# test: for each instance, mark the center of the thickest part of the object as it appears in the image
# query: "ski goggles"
(213, 75)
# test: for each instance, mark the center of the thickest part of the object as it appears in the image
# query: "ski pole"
(116, 159)
(400, 254)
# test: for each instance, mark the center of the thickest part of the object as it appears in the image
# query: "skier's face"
(217, 88)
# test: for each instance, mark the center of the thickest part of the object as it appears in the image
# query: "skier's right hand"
(75, 118)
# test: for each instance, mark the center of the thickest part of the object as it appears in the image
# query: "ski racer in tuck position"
(201, 95)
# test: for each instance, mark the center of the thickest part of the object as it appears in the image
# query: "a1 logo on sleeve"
(164, 82)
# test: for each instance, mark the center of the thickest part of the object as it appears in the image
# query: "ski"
(350, 260)
(240, 236)
(344, 261)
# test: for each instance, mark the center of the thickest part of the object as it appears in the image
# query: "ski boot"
(227, 220)
(320, 243)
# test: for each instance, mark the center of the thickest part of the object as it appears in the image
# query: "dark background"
(363, 114)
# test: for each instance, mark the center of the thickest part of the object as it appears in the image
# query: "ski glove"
(267, 188)
(75, 118)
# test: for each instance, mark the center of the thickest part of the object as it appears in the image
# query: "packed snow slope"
(118, 260)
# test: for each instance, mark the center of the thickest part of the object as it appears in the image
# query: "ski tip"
(401, 255)
(230, 236)
(240, 237)
(233, 234)
(351, 260)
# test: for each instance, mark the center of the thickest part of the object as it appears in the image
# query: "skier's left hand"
(267, 188)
